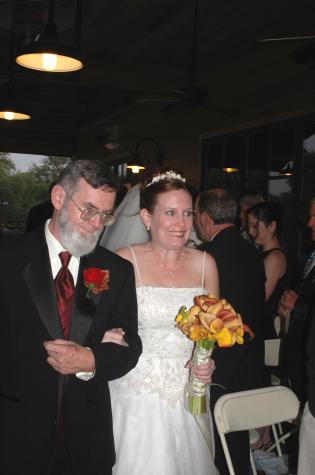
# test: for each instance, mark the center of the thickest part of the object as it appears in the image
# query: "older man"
(60, 293)
(241, 281)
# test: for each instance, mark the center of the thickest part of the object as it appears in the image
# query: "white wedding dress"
(154, 433)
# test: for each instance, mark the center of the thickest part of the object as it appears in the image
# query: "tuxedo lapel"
(38, 277)
(84, 308)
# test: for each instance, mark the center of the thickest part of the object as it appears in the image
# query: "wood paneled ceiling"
(142, 49)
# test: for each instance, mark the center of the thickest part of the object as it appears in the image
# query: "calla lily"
(216, 325)
(224, 338)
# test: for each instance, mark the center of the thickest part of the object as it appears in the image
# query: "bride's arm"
(211, 276)
(115, 335)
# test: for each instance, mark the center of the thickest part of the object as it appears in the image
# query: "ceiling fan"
(191, 96)
(302, 54)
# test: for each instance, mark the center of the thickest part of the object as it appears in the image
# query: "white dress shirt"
(54, 249)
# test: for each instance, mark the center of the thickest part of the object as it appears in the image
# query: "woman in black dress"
(265, 226)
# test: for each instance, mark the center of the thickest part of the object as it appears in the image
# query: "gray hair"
(219, 204)
(94, 172)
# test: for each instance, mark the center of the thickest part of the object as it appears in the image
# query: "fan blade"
(193, 94)
(223, 109)
(175, 107)
(155, 98)
(286, 38)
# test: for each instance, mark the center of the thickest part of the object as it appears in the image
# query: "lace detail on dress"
(161, 368)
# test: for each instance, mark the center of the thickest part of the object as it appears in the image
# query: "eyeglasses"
(88, 214)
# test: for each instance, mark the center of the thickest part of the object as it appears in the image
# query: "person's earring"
(148, 227)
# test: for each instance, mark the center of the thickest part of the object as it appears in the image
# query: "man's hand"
(287, 303)
(67, 357)
(115, 335)
(204, 371)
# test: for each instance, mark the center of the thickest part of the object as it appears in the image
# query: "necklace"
(158, 266)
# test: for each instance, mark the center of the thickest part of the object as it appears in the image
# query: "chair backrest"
(246, 410)
(272, 350)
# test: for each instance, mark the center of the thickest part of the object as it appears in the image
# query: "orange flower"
(212, 319)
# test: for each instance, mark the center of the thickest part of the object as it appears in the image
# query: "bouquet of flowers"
(208, 322)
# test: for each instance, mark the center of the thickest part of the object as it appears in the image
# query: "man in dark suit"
(55, 409)
(297, 306)
(241, 282)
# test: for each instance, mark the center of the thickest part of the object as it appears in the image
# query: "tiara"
(169, 175)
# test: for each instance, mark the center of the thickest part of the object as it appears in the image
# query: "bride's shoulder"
(196, 253)
(200, 256)
(128, 252)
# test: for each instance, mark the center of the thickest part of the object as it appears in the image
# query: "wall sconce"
(46, 53)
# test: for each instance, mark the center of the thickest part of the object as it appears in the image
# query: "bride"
(153, 431)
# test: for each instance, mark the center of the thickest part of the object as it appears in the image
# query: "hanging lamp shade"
(287, 170)
(48, 54)
(10, 109)
(230, 166)
(13, 113)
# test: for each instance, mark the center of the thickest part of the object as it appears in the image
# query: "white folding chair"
(247, 410)
(272, 350)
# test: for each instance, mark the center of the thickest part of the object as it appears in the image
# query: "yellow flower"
(239, 336)
(224, 338)
(178, 318)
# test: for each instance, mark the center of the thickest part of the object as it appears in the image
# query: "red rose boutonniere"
(96, 280)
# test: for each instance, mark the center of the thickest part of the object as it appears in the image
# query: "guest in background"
(306, 461)
(242, 283)
(247, 200)
(299, 307)
(265, 227)
(38, 215)
(128, 227)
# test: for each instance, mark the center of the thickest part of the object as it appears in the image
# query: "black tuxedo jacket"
(311, 356)
(29, 386)
(241, 367)
(242, 284)
(294, 355)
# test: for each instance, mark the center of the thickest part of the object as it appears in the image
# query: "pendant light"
(135, 165)
(46, 53)
(287, 170)
(10, 109)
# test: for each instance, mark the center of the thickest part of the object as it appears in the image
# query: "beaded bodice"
(161, 368)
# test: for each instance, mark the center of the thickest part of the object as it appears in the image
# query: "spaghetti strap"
(136, 265)
(203, 270)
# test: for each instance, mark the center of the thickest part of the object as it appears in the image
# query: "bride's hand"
(204, 371)
(115, 335)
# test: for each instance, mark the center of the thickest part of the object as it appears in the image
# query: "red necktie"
(64, 291)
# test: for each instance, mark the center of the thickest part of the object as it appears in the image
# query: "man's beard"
(75, 242)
